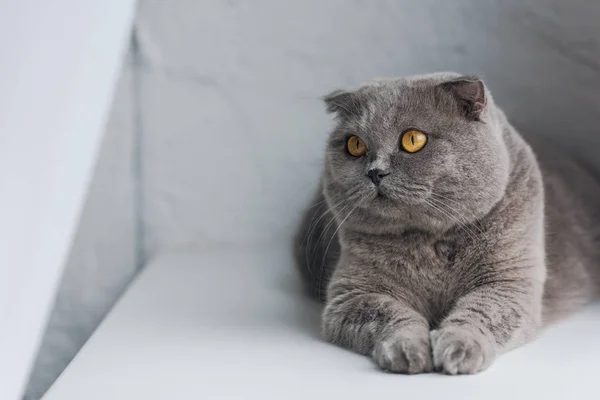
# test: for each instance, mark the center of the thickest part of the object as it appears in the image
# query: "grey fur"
(473, 243)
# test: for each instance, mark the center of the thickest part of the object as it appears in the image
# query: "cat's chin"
(404, 210)
(386, 217)
(381, 198)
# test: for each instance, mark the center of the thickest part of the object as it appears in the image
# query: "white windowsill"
(232, 324)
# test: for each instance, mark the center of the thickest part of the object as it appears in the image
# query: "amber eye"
(356, 146)
(413, 140)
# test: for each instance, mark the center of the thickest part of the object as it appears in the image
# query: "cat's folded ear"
(469, 92)
(343, 103)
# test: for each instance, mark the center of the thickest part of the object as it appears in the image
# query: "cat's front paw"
(404, 352)
(461, 350)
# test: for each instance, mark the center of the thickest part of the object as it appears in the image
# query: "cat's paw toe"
(406, 354)
(458, 350)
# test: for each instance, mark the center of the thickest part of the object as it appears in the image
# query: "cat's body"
(572, 231)
(473, 246)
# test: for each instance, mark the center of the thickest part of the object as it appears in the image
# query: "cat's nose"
(377, 175)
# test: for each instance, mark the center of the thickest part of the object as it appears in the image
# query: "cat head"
(424, 151)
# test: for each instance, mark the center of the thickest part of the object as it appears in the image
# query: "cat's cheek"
(461, 350)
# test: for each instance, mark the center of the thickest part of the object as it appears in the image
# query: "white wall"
(103, 256)
(233, 128)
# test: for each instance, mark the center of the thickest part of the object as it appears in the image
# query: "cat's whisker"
(325, 230)
(464, 227)
(440, 200)
(308, 254)
(347, 202)
(329, 244)
(319, 203)
(310, 232)
(315, 222)
(456, 213)
(460, 224)
(345, 198)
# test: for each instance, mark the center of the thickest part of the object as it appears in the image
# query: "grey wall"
(231, 128)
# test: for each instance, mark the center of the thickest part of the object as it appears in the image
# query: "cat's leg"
(488, 321)
(396, 336)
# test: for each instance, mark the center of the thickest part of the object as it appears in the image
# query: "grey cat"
(444, 252)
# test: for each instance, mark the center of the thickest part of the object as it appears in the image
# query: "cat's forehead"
(401, 104)
(386, 96)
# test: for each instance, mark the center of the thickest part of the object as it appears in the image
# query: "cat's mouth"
(381, 194)
(398, 195)
(384, 197)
